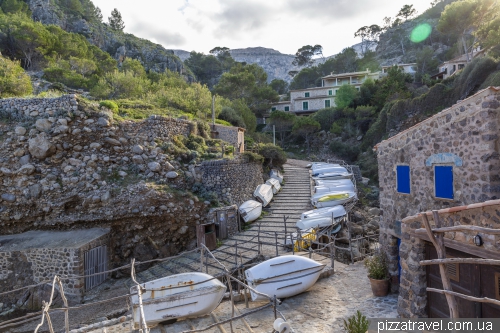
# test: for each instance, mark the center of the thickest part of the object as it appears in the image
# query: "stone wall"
(233, 180)
(22, 109)
(465, 137)
(230, 134)
(412, 300)
(158, 127)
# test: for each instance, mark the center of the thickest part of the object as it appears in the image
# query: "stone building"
(450, 159)
(233, 135)
(36, 256)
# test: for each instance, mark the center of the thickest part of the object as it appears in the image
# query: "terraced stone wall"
(26, 109)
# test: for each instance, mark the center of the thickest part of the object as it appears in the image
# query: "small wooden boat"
(333, 176)
(335, 211)
(329, 182)
(284, 276)
(250, 210)
(319, 222)
(328, 169)
(334, 188)
(276, 174)
(332, 199)
(275, 184)
(264, 194)
(186, 295)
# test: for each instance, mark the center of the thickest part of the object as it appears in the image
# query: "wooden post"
(201, 259)
(236, 254)
(332, 256)
(293, 245)
(276, 240)
(258, 239)
(438, 242)
(284, 221)
(350, 241)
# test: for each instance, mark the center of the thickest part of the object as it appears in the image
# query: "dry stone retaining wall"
(233, 181)
(25, 109)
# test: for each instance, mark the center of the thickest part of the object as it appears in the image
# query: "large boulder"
(40, 146)
(43, 125)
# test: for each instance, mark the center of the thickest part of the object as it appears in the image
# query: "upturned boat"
(329, 169)
(186, 295)
(333, 176)
(250, 210)
(284, 276)
(276, 174)
(264, 194)
(332, 199)
(334, 182)
(335, 211)
(275, 184)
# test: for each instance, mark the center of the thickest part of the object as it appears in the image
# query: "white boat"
(284, 276)
(319, 222)
(335, 211)
(333, 188)
(332, 199)
(329, 182)
(250, 210)
(317, 167)
(275, 184)
(333, 175)
(186, 295)
(329, 169)
(276, 174)
(313, 164)
(264, 194)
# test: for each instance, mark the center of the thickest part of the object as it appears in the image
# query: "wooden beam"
(469, 298)
(470, 228)
(460, 261)
(438, 243)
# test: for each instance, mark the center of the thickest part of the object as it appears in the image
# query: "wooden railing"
(437, 239)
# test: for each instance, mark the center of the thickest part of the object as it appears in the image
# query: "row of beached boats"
(252, 209)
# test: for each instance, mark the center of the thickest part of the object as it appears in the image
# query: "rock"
(6, 171)
(43, 125)
(155, 167)
(25, 159)
(88, 121)
(8, 197)
(183, 229)
(169, 166)
(103, 122)
(172, 175)
(76, 131)
(20, 130)
(62, 121)
(77, 148)
(35, 190)
(123, 141)
(19, 152)
(40, 147)
(137, 149)
(359, 138)
(95, 145)
(374, 211)
(137, 159)
(74, 161)
(122, 173)
(106, 196)
(26, 169)
(163, 207)
(112, 141)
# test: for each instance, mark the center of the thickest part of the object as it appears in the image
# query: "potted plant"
(378, 274)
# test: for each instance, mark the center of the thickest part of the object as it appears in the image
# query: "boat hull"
(329, 169)
(179, 296)
(275, 184)
(329, 199)
(336, 211)
(333, 176)
(319, 222)
(326, 182)
(276, 175)
(326, 189)
(250, 210)
(264, 194)
(284, 276)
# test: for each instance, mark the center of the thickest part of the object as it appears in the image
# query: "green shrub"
(376, 266)
(196, 143)
(345, 151)
(274, 156)
(13, 80)
(206, 195)
(110, 105)
(67, 77)
(253, 157)
(231, 116)
(356, 324)
(222, 122)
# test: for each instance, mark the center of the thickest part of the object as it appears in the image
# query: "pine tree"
(115, 21)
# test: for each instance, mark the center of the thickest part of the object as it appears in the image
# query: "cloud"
(166, 38)
(195, 24)
(240, 17)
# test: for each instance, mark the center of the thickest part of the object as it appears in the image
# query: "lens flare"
(420, 33)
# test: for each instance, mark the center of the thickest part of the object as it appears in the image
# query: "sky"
(283, 25)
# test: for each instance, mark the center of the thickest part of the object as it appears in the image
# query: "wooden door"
(222, 224)
(469, 279)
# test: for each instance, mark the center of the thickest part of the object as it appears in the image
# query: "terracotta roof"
(431, 118)
(454, 209)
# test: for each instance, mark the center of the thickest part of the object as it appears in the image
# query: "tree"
(230, 115)
(97, 14)
(346, 95)
(369, 36)
(13, 80)
(391, 87)
(305, 126)
(14, 6)
(280, 86)
(426, 62)
(224, 57)
(283, 122)
(304, 55)
(406, 12)
(115, 20)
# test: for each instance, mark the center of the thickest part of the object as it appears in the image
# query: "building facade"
(449, 160)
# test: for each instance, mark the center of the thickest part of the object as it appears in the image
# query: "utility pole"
(213, 110)
(274, 135)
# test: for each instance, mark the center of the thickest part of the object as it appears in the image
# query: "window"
(357, 88)
(443, 181)
(327, 103)
(403, 179)
(330, 92)
(305, 106)
(306, 94)
(336, 91)
(273, 108)
(287, 108)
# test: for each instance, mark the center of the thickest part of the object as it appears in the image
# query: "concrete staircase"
(291, 201)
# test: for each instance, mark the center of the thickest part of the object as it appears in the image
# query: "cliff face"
(117, 43)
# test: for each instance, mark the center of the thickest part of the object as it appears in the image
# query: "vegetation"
(356, 323)
(13, 80)
(377, 266)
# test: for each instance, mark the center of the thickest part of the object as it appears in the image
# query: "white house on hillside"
(310, 100)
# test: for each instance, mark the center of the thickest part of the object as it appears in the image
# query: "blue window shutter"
(403, 178)
(443, 181)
